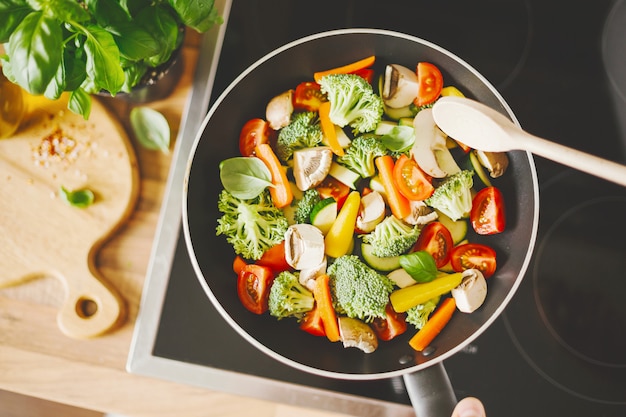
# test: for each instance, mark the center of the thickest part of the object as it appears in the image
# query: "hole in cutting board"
(86, 307)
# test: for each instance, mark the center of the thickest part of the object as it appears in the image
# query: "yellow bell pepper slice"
(338, 240)
(405, 298)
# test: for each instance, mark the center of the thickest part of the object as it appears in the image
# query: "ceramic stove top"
(560, 346)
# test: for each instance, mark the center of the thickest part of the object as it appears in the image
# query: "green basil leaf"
(80, 103)
(160, 23)
(420, 265)
(200, 15)
(103, 60)
(151, 128)
(12, 12)
(133, 72)
(35, 49)
(79, 198)
(399, 139)
(136, 43)
(66, 10)
(74, 64)
(108, 13)
(245, 177)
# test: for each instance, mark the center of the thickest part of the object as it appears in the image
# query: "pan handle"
(430, 391)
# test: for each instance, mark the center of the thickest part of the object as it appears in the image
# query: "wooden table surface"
(38, 360)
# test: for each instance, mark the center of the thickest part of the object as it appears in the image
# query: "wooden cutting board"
(40, 233)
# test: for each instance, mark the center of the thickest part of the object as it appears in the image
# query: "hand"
(469, 407)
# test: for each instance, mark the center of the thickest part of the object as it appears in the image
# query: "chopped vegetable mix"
(356, 213)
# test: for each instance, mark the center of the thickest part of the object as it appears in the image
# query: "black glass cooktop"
(560, 346)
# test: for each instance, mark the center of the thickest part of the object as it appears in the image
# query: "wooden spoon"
(481, 127)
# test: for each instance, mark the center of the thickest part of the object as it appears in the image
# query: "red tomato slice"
(312, 323)
(487, 215)
(253, 133)
(430, 83)
(412, 182)
(435, 238)
(474, 256)
(253, 287)
(391, 326)
(274, 258)
(331, 187)
(308, 96)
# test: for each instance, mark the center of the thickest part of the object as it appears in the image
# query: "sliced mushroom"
(304, 246)
(400, 86)
(430, 146)
(308, 276)
(355, 333)
(495, 162)
(420, 213)
(371, 213)
(311, 165)
(470, 294)
(279, 109)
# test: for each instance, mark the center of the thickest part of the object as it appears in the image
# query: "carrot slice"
(399, 204)
(347, 69)
(328, 129)
(324, 302)
(434, 325)
(281, 192)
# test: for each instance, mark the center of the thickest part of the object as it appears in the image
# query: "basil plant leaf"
(80, 103)
(399, 139)
(103, 60)
(151, 128)
(245, 177)
(12, 12)
(420, 265)
(35, 49)
(79, 198)
(200, 15)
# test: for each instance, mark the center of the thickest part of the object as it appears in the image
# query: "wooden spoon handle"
(591, 164)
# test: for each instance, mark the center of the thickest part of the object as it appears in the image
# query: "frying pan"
(427, 383)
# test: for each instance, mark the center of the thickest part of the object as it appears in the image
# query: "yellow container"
(12, 107)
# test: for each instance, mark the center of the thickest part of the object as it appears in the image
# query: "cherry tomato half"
(312, 323)
(253, 133)
(308, 96)
(253, 287)
(473, 256)
(274, 258)
(430, 83)
(487, 215)
(331, 187)
(393, 325)
(435, 238)
(412, 182)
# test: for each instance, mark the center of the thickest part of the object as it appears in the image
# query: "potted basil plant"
(92, 46)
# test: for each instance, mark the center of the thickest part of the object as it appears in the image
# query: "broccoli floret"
(352, 102)
(360, 155)
(453, 196)
(392, 237)
(359, 291)
(418, 315)
(251, 226)
(303, 131)
(289, 298)
(305, 205)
